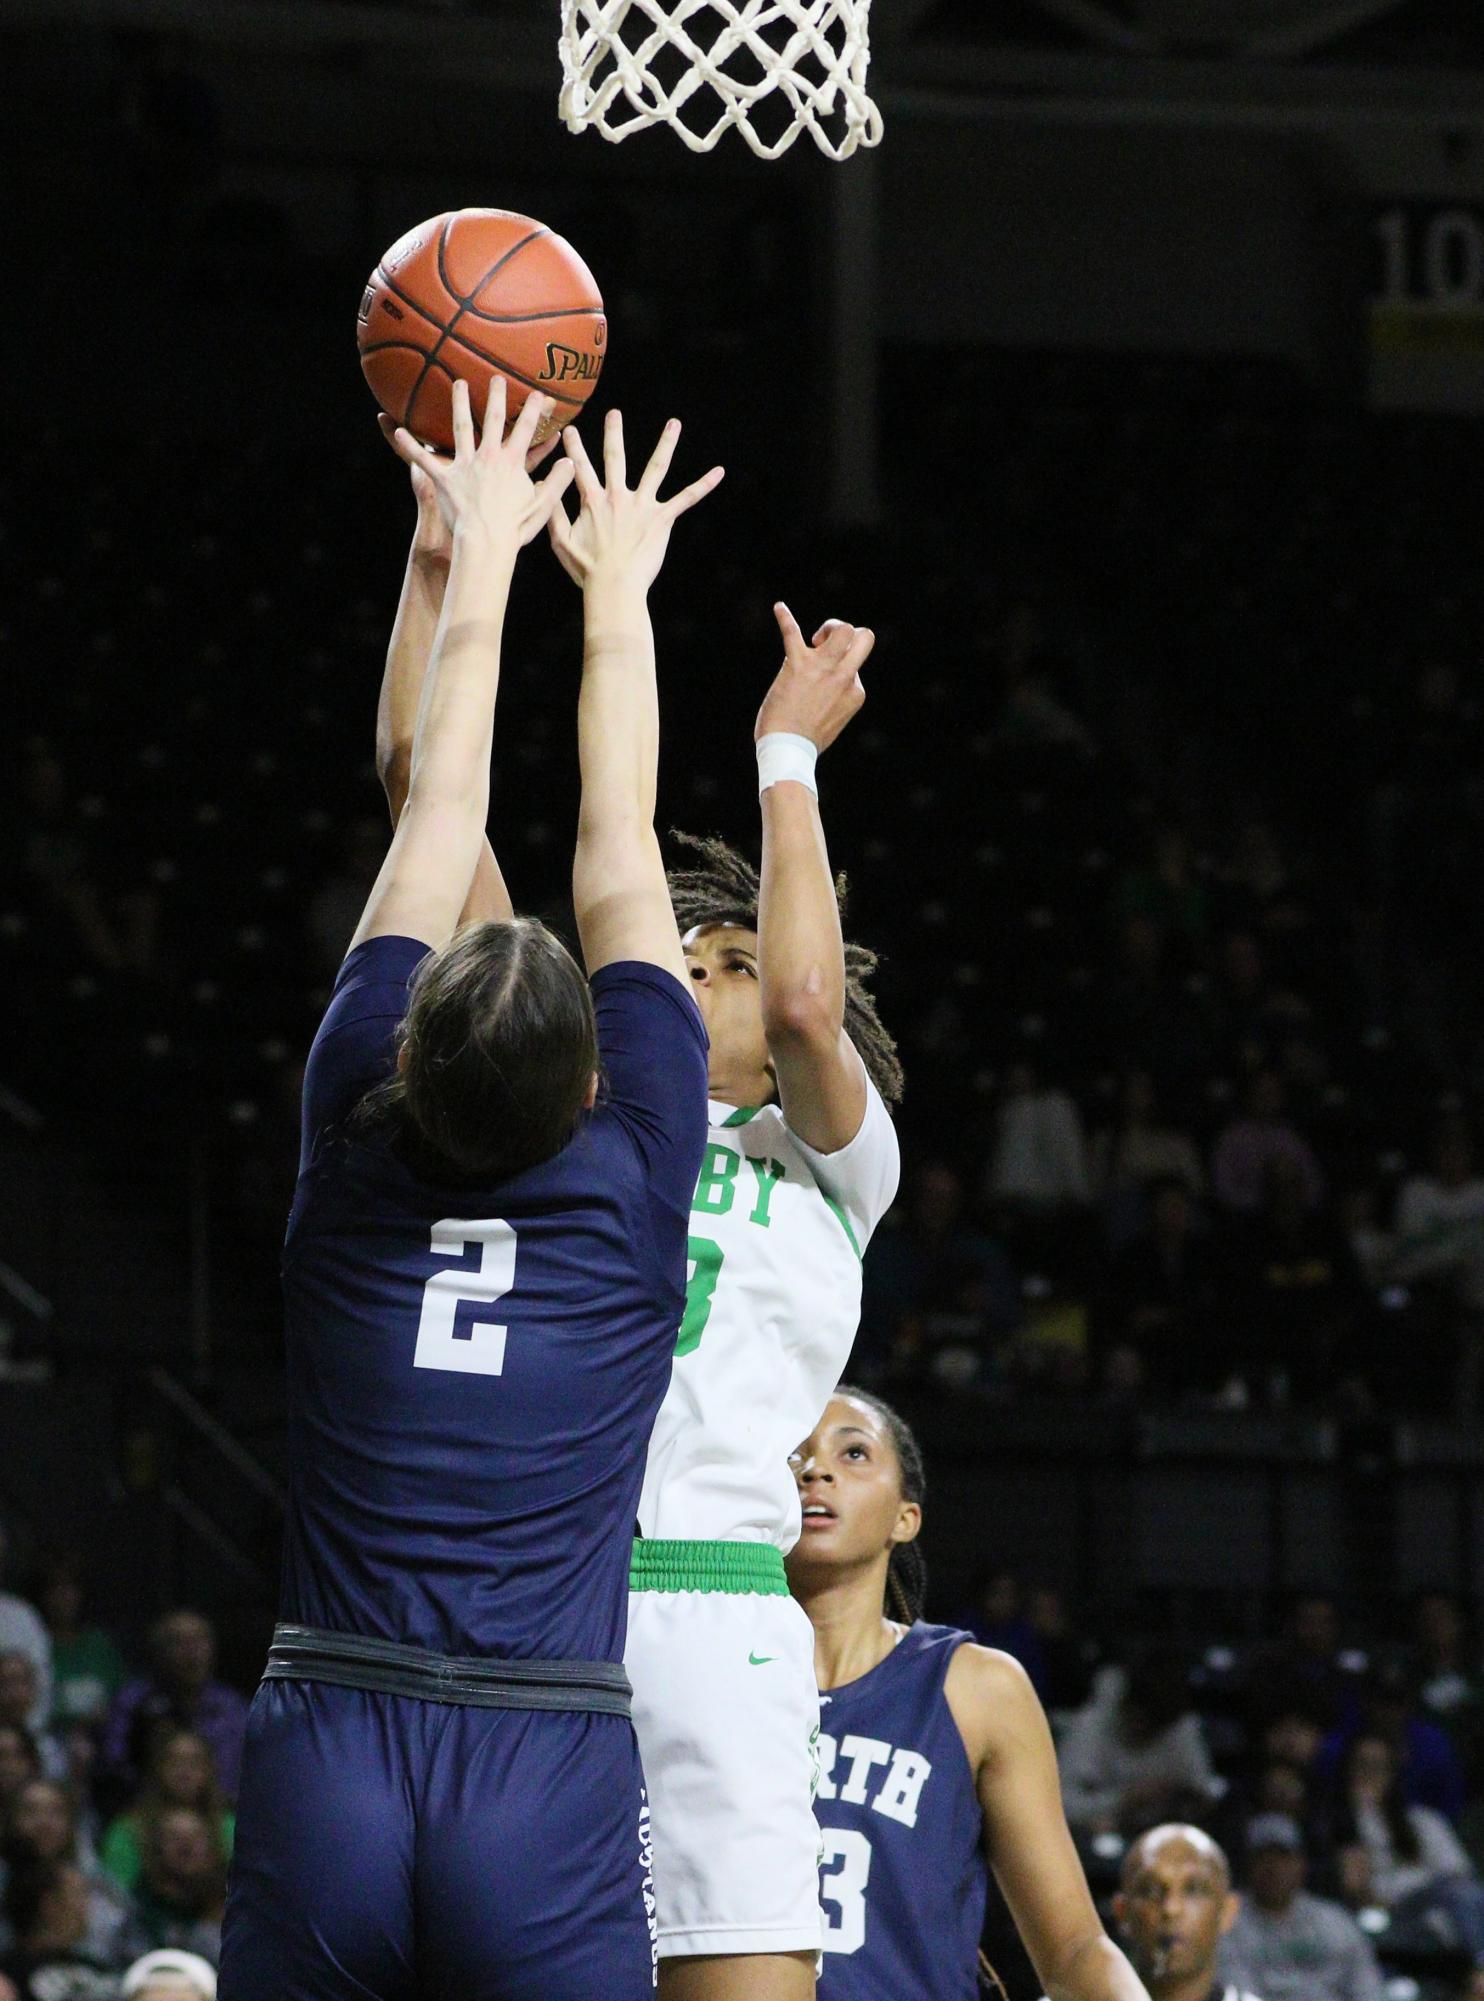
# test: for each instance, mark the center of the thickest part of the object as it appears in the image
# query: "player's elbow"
(804, 1016)
(394, 769)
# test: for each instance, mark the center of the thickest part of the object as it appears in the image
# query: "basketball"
(470, 292)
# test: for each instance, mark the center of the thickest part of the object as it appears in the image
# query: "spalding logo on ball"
(469, 293)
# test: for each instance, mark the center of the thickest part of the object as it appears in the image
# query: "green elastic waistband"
(661, 1565)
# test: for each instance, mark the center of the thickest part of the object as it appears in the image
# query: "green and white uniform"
(720, 1656)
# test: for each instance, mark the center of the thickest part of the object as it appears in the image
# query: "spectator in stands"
(1039, 1163)
(181, 1774)
(1285, 1944)
(1066, 1657)
(20, 1763)
(21, 1631)
(1033, 712)
(1449, 1688)
(1173, 1908)
(1431, 1772)
(181, 1689)
(1138, 1733)
(1166, 889)
(1405, 1858)
(169, 1976)
(1300, 1678)
(87, 1668)
(183, 1888)
(998, 1618)
(48, 1908)
(1302, 1295)
(1246, 1149)
(1440, 1236)
(42, 1829)
(1166, 1297)
(1137, 1153)
(933, 1279)
(1150, 1021)
(18, 1701)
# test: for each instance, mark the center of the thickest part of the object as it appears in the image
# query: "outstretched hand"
(818, 688)
(486, 485)
(432, 544)
(622, 533)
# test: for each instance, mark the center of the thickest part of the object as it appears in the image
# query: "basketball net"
(631, 63)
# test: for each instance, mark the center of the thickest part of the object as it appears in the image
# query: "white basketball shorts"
(727, 1713)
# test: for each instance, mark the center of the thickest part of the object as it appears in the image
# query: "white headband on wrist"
(780, 754)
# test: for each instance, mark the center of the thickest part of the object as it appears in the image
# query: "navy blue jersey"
(473, 1375)
(902, 1871)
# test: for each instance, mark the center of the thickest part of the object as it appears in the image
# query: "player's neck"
(850, 1634)
(1194, 1987)
(740, 1087)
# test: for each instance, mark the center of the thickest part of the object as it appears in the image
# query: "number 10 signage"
(1427, 306)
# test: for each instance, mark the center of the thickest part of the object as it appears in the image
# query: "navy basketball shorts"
(389, 1847)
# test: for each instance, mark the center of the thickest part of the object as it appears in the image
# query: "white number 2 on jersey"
(845, 1887)
(482, 1351)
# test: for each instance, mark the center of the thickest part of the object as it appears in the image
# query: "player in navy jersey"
(483, 1274)
(936, 1761)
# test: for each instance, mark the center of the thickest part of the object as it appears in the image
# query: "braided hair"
(906, 1575)
(723, 888)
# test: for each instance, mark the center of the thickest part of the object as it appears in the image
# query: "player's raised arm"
(614, 551)
(424, 583)
(491, 509)
(801, 956)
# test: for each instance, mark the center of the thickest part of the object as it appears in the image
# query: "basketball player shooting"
(802, 1162)
(484, 1268)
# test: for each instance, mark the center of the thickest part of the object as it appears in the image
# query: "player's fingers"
(788, 625)
(659, 459)
(523, 430)
(423, 488)
(697, 490)
(838, 639)
(463, 420)
(550, 490)
(588, 483)
(538, 453)
(860, 649)
(830, 625)
(615, 460)
(407, 447)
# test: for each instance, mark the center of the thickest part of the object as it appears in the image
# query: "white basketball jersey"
(772, 1305)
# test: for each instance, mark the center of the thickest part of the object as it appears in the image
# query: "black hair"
(1394, 1810)
(723, 888)
(906, 1575)
(501, 1047)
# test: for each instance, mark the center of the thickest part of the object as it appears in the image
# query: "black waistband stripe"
(385, 1667)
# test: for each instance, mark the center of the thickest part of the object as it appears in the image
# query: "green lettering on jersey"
(714, 1190)
(769, 1173)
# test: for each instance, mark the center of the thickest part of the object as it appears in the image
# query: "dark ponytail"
(906, 1576)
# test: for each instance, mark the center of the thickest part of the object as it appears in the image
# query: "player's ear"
(402, 1060)
(1229, 1911)
(591, 1096)
(908, 1522)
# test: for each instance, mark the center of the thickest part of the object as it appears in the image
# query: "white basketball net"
(631, 63)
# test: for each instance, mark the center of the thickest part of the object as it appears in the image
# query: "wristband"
(783, 755)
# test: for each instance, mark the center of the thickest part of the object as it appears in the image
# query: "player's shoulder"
(992, 1700)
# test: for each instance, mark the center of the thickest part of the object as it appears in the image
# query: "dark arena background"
(1133, 389)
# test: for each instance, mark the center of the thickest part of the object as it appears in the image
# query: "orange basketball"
(470, 292)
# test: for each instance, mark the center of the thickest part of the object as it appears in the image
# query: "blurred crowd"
(116, 1792)
(1342, 1771)
(1341, 1768)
